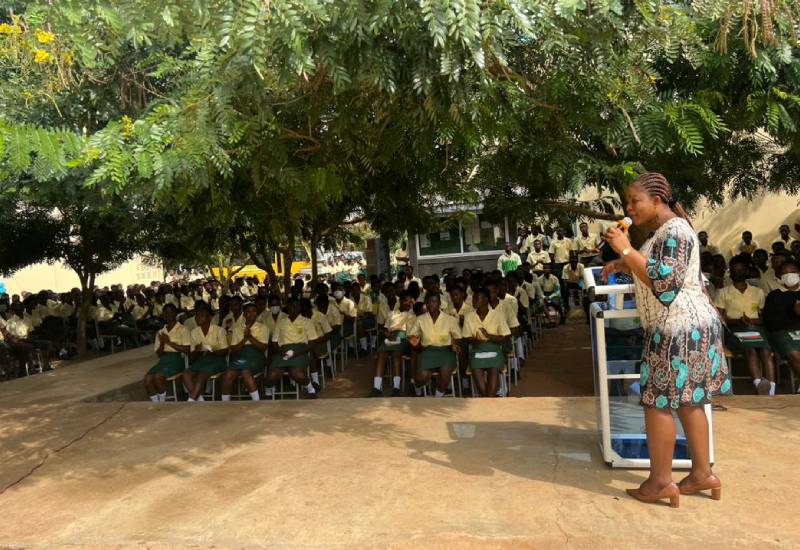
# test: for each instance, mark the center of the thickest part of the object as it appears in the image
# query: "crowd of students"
(462, 322)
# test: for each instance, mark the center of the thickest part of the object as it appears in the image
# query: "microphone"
(623, 225)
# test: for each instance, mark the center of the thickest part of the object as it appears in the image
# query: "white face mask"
(790, 280)
(275, 309)
(339, 294)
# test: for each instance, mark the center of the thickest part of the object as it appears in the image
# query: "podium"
(617, 341)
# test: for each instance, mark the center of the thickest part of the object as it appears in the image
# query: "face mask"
(790, 279)
(275, 309)
(339, 294)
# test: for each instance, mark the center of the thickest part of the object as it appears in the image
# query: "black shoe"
(312, 395)
(397, 392)
(376, 393)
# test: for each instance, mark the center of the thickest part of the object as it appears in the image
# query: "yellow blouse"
(346, 307)
(321, 324)
(216, 338)
(384, 312)
(364, 306)
(259, 331)
(401, 321)
(299, 331)
(494, 323)
(179, 335)
(436, 333)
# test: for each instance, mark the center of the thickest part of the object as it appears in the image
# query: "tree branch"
(581, 210)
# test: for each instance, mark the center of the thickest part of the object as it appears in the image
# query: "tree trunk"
(87, 287)
(314, 262)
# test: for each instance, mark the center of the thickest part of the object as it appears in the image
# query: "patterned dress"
(683, 363)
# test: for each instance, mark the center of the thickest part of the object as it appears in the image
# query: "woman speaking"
(683, 363)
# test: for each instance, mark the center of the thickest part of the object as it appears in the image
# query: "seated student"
(509, 260)
(415, 291)
(486, 330)
(346, 307)
(235, 316)
(319, 347)
(142, 314)
(186, 299)
(573, 280)
(248, 347)
(785, 236)
(551, 287)
(782, 315)
(209, 349)
(272, 313)
(435, 335)
(223, 311)
(172, 341)
(746, 245)
(410, 278)
(109, 322)
(16, 331)
(364, 316)
(706, 246)
(394, 344)
(459, 308)
(740, 305)
(387, 303)
(523, 302)
(769, 279)
(293, 336)
(534, 289)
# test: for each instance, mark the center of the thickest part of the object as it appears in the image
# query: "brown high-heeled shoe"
(671, 492)
(711, 483)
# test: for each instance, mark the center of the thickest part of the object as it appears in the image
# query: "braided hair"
(656, 185)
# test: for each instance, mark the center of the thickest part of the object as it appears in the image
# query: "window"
(476, 237)
(444, 241)
(481, 235)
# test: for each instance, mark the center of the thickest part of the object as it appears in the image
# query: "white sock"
(190, 400)
(464, 383)
(439, 394)
(226, 397)
(329, 362)
(310, 388)
(417, 390)
(395, 382)
(363, 342)
(255, 396)
(756, 381)
(772, 388)
(162, 397)
(201, 398)
(377, 383)
(269, 391)
(154, 398)
(315, 377)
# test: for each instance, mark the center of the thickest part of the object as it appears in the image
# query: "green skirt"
(209, 364)
(169, 364)
(733, 343)
(401, 347)
(278, 362)
(320, 348)
(495, 362)
(248, 358)
(367, 323)
(435, 357)
(783, 342)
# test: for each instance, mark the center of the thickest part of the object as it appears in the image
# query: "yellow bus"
(301, 264)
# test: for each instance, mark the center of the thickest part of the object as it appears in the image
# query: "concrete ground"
(387, 473)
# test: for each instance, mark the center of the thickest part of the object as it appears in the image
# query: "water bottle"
(612, 278)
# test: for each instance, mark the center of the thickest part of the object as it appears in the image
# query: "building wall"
(58, 278)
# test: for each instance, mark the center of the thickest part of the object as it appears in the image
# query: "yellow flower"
(44, 37)
(5, 28)
(41, 56)
(69, 59)
(127, 126)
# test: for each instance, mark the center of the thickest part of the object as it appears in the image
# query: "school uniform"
(486, 354)
(19, 327)
(589, 242)
(508, 262)
(737, 304)
(323, 328)
(437, 339)
(550, 286)
(769, 282)
(348, 309)
(216, 339)
(398, 322)
(228, 322)
(560, 249)
(522, 297)
(249, 357)
(413, 279)
(511, 307)
(171, 361)
(187, 303)
(460, 313)
(384, 311)
(293, 335)
(538, 259)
